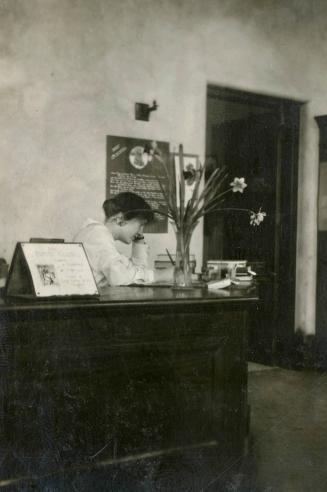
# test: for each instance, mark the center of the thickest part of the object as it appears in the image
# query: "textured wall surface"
(71, 71)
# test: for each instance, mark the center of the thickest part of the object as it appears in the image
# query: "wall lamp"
(142, 111)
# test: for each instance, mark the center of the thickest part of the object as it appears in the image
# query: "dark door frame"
(319, 341)
(282, 308)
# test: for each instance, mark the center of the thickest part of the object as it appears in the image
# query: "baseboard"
(302, 351)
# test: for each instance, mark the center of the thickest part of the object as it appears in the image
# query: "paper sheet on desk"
(219, 284)
(151, 284)
(196, 283)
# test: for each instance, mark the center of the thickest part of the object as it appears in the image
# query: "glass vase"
(182, 270)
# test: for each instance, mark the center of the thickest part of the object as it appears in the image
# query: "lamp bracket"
(142, 111)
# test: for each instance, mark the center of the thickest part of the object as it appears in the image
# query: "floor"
(289, 430)
(287, 450)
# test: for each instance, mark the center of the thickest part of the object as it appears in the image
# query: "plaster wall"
(71, 71)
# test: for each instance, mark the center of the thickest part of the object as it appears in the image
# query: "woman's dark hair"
(130, 205)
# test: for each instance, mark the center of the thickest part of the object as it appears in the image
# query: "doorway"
(256, 137)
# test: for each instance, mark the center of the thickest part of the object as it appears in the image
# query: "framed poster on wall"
(135, 164)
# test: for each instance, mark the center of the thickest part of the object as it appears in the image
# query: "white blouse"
(108, 265)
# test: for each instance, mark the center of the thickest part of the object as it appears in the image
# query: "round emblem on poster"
(138, 158)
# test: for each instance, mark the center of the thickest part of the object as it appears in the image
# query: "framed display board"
(136, 165)
(50, 270)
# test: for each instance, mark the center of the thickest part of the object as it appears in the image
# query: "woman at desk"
(125, 216)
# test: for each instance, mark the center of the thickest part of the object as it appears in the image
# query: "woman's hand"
(138, 238)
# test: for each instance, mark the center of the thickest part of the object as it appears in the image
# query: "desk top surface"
(137, 296)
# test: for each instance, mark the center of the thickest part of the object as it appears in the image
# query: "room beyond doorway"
(257, 136)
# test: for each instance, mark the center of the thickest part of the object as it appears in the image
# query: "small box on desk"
(163, 261)
(220, 269)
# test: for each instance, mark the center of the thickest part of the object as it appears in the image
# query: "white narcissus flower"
(238, 185)
(257, 218)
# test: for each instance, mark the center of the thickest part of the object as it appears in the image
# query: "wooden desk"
(143, 370)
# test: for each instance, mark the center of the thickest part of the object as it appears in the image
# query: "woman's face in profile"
(130, 228)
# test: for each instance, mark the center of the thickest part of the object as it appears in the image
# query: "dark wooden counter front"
(143, 371)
